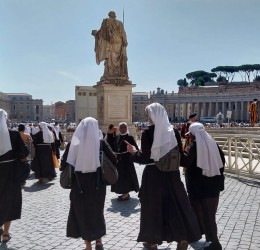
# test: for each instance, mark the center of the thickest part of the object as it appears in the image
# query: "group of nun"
(168, 213)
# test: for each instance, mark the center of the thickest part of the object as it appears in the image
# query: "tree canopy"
(224, 74)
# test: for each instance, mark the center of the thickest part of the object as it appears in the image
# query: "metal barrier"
(241, 152)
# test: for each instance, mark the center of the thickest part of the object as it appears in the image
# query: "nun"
(12, 150)
(166, 214)
(87, 197)
(204, 161)
(42, 164)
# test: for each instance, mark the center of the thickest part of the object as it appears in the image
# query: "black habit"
(42, 163)
(10, 190)
(166, 214)
(127, 177)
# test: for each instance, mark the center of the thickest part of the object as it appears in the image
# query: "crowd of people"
(168, 212)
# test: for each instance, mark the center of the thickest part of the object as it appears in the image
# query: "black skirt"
(10, 194)
(166, 214)
(127, 178)
(42, 163)
(86, 215)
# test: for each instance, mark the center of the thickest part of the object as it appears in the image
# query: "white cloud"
(68, 75)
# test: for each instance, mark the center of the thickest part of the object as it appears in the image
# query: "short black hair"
(21, 127)
(192, 115)
(255, 100)
(110, 126)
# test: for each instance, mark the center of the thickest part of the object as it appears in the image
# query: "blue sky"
(46, 47)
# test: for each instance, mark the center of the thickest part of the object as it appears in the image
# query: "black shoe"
(213, 246)
(99, 247)
(8, 236)
(120, 198)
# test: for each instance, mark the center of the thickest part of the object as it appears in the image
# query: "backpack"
(170, 161)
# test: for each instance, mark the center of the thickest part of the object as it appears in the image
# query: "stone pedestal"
(114, 103)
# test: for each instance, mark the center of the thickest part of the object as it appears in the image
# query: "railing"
(242, 153)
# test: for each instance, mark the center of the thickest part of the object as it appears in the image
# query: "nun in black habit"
(42, 164)
(166, 214)
(204, 161)
(127, 177)
(86, 215)
(12, 150)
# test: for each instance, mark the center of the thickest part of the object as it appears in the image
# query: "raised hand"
(130, 147)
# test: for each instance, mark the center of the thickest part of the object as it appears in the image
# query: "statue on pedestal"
(110, 46)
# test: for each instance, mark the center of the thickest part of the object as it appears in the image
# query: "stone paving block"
(46, 207)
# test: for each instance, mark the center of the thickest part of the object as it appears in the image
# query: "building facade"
(85, 102)
(70, 111)
(24, 108)
(5, 103)
(48, 113)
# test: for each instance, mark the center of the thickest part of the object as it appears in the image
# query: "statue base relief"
(114, 103)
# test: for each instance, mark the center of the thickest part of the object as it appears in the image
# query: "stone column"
(198, 110)
(242, 111)
(179, 111)
(191, 107)
(185, 111)
(248, 103)
(216, 109)
(210, 109)
(236, 111)
(204, 109)
(223, 108)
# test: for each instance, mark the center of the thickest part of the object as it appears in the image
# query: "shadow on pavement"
(37, 187)
(4, 247)
(126, 208)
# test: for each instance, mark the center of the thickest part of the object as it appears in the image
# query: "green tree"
(228, 71)
(222, 79)
(247, 69)
(256, 71)
(200, 77)
(257, 79)
(182, 82)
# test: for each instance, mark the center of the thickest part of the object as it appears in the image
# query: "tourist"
(12, 150)
(59, 142)
(111, 136)
(184, 130)
(26, 137)
(166, 214)
(204, 161)
(87, 196)
(127, 178)
(42, 164)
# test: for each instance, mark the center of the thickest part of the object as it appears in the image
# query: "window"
(79, 93)
(95, 94)
(90, 93)
(84, 93)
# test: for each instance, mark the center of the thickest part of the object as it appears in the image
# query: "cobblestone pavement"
(46, 206)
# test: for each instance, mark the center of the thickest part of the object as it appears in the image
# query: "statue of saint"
(110, 46)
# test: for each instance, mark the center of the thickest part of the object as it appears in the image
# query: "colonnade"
(239, 109)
